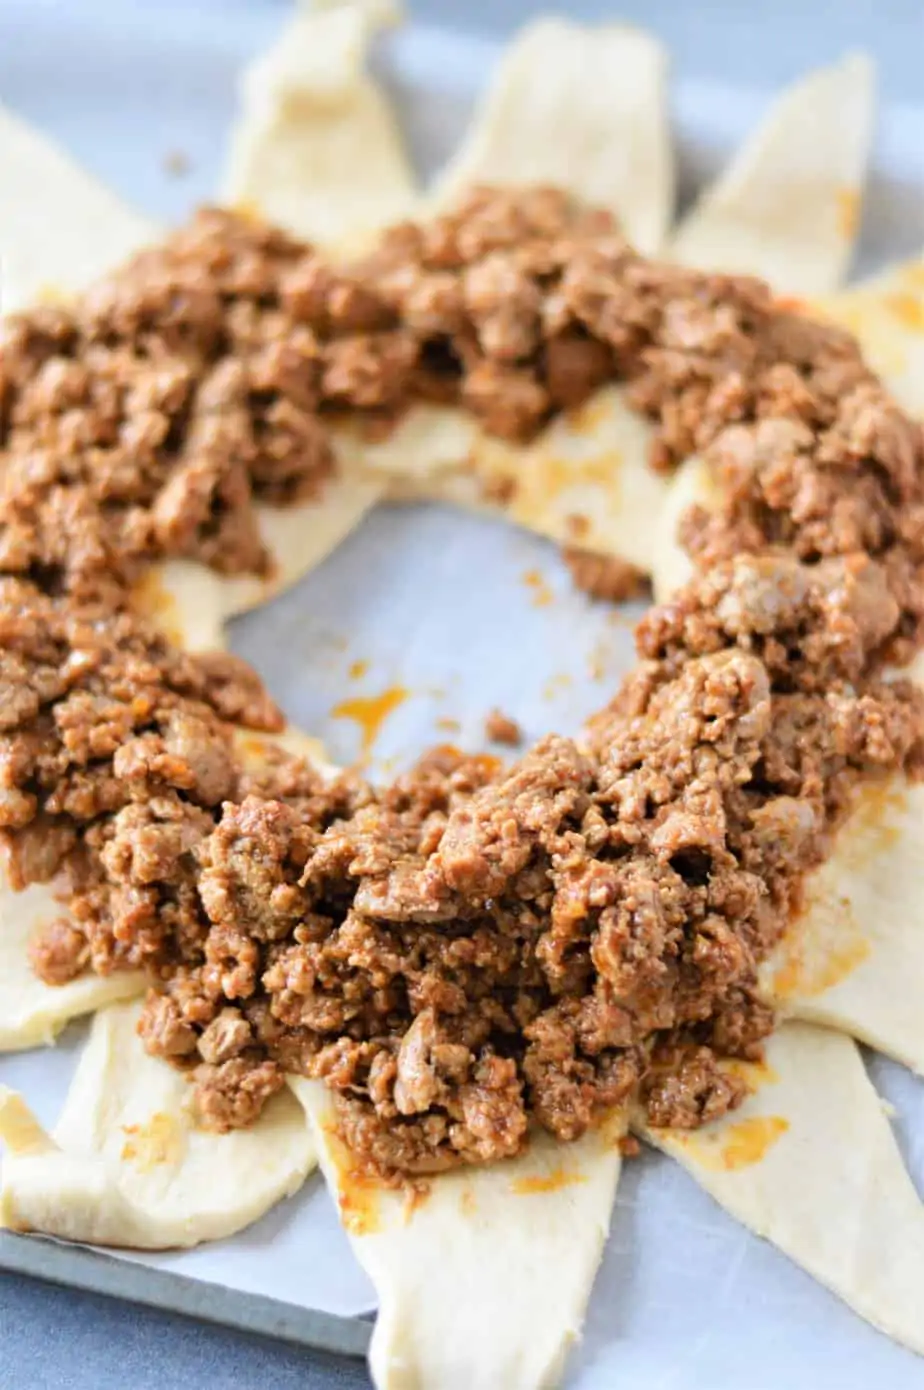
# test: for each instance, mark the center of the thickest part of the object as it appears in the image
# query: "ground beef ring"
(474, 949)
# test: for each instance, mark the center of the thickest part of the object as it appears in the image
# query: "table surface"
(63, 1339)
(56, 1337)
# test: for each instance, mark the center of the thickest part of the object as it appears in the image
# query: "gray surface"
(102, 1272)
(55, 1337)
(61, 1339)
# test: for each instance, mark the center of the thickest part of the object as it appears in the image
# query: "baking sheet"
(460, 614)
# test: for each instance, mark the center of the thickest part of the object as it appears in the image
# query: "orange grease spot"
(876, 822)
(158, 1140)
(357, 1189)
(415, 1194)
(357, 670)
(153, 601)
(848, 211)
(542, 594)
(799, 975)
(449, 726)
(370, 712)
(914, 274)
(249, 210)
(468, 1202)
(550, 482)
(726, 1150)
(52, 296)
(612, 1127)
(907, 308)
(555, 685)
(808, 966)
(547, 1182)
(749, 1140)
(755, 1074)
(253, 746)
(591, 415)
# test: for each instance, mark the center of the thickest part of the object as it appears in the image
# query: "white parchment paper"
(462, 614)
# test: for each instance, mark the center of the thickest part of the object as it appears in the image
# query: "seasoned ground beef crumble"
(604, 577)
(502, 728)
(474, 947)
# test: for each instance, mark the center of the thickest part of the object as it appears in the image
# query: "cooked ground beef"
(152, 417)
(472, 948)
(604, 577)
(502, 728)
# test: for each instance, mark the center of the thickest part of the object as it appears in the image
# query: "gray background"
(54, 1337)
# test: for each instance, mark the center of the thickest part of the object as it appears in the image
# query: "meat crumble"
(472, 949)
(604, 577)
(502, 728)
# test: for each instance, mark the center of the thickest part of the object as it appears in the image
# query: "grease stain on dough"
(151, 598)
(548, 476)
(877, 822)
(753, 1074)
(805, 972)
(734, 1146)
(157, 1140)
(848, 211)
(748, 1140)
(253, 746)
(886, 315)
(553, 1181)
(358, 1191)
(468, 1202)
(126, 1167)
(908, 308)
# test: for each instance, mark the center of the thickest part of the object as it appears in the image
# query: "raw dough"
(192, 603)
(483, 1280)
(31, 1012)
(59, 229)
(886, 314)
(788, 206)
(125, 1166)
(582, 107)
(810, 1163)
(855, 958)
(585, 480)
(691, 485)
(316, 147)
